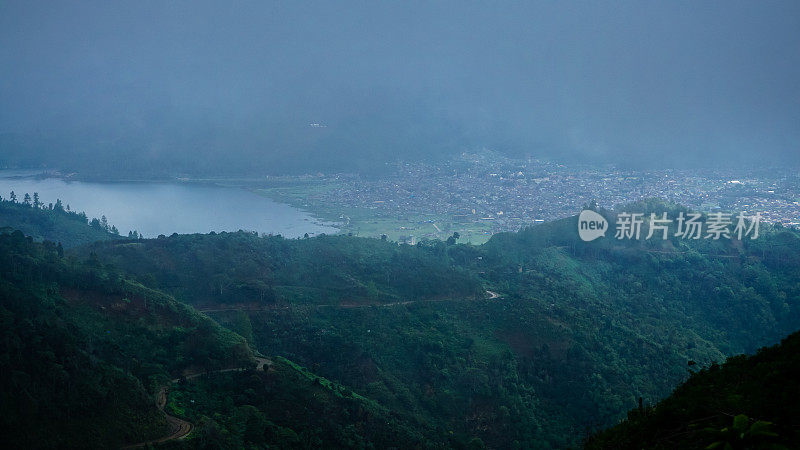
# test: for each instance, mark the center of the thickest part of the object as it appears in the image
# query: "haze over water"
(166, 208)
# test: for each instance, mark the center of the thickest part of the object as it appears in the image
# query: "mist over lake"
(444, 224)
(166, 208)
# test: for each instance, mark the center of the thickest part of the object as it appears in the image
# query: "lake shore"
(154, 207)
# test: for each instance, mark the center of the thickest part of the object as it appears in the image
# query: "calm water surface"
(166, 208)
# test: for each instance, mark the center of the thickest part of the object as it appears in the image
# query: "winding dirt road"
(179, 428)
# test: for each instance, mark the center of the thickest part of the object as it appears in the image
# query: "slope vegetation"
(575, 334)
(721, 405)
(83, 350)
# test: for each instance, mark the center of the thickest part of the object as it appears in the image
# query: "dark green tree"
(743, 434)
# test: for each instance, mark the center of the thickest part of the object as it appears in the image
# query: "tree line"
(59, 207)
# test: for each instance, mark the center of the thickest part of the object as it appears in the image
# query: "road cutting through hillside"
(180, 428)
(255, 308)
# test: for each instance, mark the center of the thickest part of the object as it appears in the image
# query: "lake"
(166, 208)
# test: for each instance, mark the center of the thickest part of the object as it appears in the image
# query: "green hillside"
(578, 334)
(84, 349)
(724, 406)
(241, 267)
(53, 224)
(287, 406)
(535, 339)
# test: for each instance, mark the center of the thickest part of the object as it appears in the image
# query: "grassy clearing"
(371, 222)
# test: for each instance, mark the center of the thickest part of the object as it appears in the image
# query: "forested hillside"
(53, 222)
(747, 402)
(243, 268)
(736, 294)
(534, 339)
(579, 332)
(84, 350)
(288, 406)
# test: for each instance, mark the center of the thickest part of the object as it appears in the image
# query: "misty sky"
(624, 82)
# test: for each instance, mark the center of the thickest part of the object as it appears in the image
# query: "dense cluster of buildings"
(513, 193)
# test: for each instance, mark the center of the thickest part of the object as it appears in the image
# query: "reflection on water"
(166, 208)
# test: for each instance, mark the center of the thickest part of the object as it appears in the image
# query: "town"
(479, 194)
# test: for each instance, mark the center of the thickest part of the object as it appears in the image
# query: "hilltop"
(54, 223)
